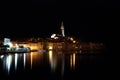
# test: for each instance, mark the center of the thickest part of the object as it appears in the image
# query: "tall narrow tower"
(62, 29)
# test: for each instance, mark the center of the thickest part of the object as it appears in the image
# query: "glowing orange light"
(50, 47)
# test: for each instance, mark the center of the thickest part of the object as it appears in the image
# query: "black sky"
(87, 20)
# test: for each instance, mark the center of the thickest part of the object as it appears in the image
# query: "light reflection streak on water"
(55, 60)
(24, 59)
(31, 58)
(16, 59)
(51, 60)
(72, 60)
(63, 64)
(8, 62)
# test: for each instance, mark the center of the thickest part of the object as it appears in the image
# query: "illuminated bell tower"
(62, 29)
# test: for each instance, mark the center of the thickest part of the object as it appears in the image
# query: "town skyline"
(89, 21)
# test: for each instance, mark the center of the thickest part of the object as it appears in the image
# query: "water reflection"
(50, 62)
(63, 65)
(72, 60)
(13, 61)
(31, 59)
(16, 59)
(36, 59)
(57, 61)
(24, 59)
(8, 63)
(51, 59)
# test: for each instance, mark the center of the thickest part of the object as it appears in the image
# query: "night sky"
(86, 20)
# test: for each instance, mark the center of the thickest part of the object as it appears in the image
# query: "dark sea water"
(56, 66)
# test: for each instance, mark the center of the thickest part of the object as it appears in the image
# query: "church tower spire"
(62, 29)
